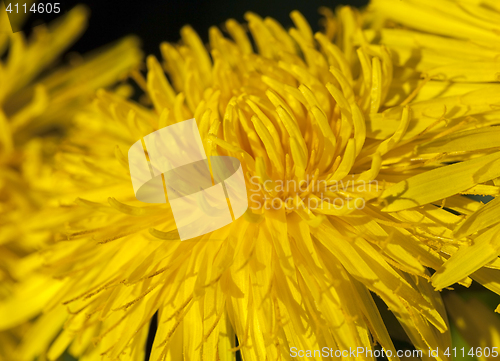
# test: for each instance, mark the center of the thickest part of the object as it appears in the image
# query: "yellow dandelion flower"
(36, 104)
(353, 188)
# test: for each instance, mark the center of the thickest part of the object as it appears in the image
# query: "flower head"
(37, 105)
(353, 192)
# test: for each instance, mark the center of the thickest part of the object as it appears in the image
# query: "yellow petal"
(469, 259)
(440, 183)
(484, 217)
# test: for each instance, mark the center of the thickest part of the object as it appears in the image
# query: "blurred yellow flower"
(382, 158)
(37, 105)
(477, 324)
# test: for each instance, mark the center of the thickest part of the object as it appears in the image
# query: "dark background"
(155, 21)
